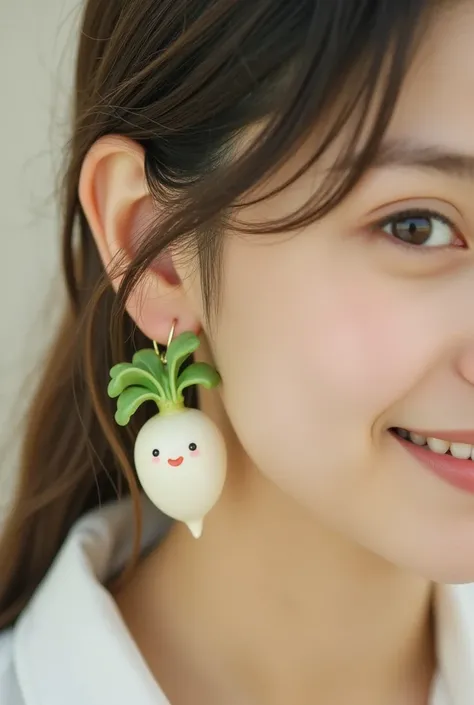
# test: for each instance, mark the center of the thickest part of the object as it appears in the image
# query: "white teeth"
(461, 450)
(438, 446)
(416, 438)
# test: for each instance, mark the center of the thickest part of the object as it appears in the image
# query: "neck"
(269, 607)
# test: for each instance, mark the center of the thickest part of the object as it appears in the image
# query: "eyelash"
(377, 229)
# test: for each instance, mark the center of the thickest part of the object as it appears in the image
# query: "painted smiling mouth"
(175, 462)
(462, 451)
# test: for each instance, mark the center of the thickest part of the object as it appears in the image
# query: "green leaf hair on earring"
(147, 378)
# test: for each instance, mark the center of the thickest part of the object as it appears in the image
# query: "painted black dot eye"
(192, 446)
(156, 453)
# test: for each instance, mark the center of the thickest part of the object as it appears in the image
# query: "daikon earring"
(180, 454)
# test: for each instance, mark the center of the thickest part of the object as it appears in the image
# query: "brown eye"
(421, 228)
(192, 446)
(156, 453)
(416, 230)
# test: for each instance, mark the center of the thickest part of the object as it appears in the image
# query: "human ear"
(117, 204)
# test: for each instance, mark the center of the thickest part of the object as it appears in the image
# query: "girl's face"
(329, 337)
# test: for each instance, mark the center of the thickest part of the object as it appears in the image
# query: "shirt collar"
(71, 644)
(454, 609)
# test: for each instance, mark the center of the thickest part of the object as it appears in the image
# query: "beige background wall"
(37, 43)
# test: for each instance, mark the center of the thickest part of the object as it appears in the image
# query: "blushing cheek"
(156, 460)
(369, 352)
(195, 453)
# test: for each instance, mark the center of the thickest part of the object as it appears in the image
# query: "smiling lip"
(450, 436)
(456, 472)
(175, 462)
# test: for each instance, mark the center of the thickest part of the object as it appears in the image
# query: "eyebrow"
(401, 153)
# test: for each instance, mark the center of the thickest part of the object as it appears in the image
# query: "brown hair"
(183, 78)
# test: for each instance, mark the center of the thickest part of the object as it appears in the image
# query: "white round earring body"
(180, 454)
(181, 462)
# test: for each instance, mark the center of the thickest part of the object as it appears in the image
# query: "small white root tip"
(195, 527)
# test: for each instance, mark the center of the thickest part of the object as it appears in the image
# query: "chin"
(442, 566)
(450, 573)
(437, 550)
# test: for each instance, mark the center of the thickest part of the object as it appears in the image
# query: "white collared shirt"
(71, 646)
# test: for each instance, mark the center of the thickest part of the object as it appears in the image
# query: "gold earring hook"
(162, 355)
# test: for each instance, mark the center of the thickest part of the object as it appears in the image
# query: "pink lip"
(175, 462)
(456, 472)
(450, 436)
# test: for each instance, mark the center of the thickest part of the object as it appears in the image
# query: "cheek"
(195, 453)
(368, 355)
(323, 349)
(377, 349)
(311, 365)
(156, 461)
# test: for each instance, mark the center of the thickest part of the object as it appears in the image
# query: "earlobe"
(119, 209)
